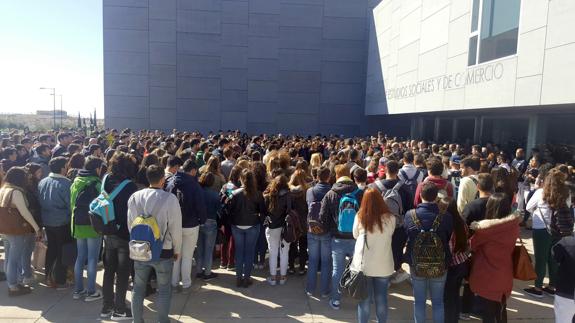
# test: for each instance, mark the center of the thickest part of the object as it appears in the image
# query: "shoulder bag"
(522, 265)
(353, 282)
(12, 222)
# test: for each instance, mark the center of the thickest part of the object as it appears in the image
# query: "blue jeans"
(319, 247)
(436, 287)
(245, 243)
(261, 246)
(88, 251)
(377, 288)
(163, 269)
(206, 243)
(16, 254)
(340, 248)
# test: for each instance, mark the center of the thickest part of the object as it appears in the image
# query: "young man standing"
(342, 243)
(228, 163)
(164, 207)
(64, 140)
(475, 210)
(435, 167)
(468, 184)
(410, 174)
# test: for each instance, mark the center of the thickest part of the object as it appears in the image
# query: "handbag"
(353, 282)
(522, 265)
(12, 222)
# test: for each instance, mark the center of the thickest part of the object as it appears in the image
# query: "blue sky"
(51, 43)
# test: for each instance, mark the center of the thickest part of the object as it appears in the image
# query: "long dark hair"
(498, 206)
(17, 176)
(448, 204)
(272, 192)
(248, 181)
(555, 191)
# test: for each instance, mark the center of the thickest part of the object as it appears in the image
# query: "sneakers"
(21, 290)
(283, 280)
(62, 286)
(106, 312)
(209, 277)
(125, 315)
(93, 297)
(549, 291)
(28, 281)
(399, 277)
(309, 294)
(302, 272)
(464, 317)
(291, 271)
(200, 275)
(336, 305)
(247, 282)
(272, 281)
(2, 276)
(77, 295)
(531, 291)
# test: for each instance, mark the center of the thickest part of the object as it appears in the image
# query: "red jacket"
(492, 246)
(442, 184)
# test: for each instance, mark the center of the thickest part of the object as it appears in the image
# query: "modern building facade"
(289, 66)
(476, 70)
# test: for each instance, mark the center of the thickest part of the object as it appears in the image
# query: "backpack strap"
(403, 174)
(415, 219)
(102, 189)
(380, 186)
(398, 185)
(118, 189)
(436, 222)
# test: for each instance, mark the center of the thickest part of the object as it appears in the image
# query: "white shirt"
(467, 192)
(540, 210)
(377, 254)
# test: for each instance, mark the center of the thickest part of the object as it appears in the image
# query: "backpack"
(226, 196)
(410, 183)
(81, 211)
(561, 223)
(393, 200)
(102, 215)
(455, 179)
(348, 207)
(313, 219)
(428, 254)
(475, 181)
(292, 229)
(146, 241)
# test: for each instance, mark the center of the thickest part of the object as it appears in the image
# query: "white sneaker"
(283, 280)
(28, 281)
(93, 297)
(271, 281)
(400, 277)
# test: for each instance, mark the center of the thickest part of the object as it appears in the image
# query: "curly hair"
(122, 165)
(271, 193)
(555, 191)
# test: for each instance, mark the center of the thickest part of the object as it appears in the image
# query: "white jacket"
(377, 254)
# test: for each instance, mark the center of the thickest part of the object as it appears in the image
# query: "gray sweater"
(168, 215)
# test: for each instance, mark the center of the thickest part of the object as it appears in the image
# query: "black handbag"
(354, 283)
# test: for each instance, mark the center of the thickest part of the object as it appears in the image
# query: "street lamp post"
(54, 95)
(61, 110)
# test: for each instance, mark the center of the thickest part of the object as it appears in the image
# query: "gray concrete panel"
(205, 5)
(125, 40)
(300, 37)
(163, 53)
(297, 123)
(126, 3)
(262, 112)
(234, 57)
(206, 22)
(163, 118)
(203, 126)
(300, 15)
(302, 103)
(198, 109)
(123, 123)
(343, 72)
(265, 6)
(308, 2)
(163, 9)
(234, 121)
(163, 75)
(235, 12)
(263, 47)
(234, 100)
(234, 35)
(263, 91)
(345, 8)
(344, 50)
(120, 106)
(328, 129)
(125, 18)
(198, 88)
(295, 81)
(234, 79)
(199, 66)
(163, 97)
(265, 25)
(126, 84)
(199, 44)
(341, 93)
(163, 31)
(300, 60)
(263, 69)
(344, 28)
(259, 128)
(337, 114)
(126, 63)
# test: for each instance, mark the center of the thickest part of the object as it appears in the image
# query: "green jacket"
(200, 159)
(79, 184)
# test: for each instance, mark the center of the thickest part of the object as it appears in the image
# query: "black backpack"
(561, 222)
(292, 229)
(81, 211)
(410, 183)
(428, 254)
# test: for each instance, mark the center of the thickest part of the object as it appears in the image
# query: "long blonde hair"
(316, 160)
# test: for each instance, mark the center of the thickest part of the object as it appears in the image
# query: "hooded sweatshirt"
(81, 182)
(330, 206)
(441, 183)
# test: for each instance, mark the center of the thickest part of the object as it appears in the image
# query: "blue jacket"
(213, 203)
(426, 213)
(54, 197)
(192, 201)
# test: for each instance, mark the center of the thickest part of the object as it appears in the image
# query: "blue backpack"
(145, 239)
(348, 207)
(102, 215)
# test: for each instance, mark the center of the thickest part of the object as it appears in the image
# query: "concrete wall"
(290, 66)
(426, 42)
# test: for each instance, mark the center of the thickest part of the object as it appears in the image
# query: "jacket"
(316, 193)
(277, 213)
(43, 162)
(19, 201)
(426, 213)
(213, 203)
(564, 254)
(245, 211)
(377, 253)
(441, 183)
(299, 204)
(81, 182)
(329, 211)
(121, 203)
(492, 245)
(54, 197)
(192, 202)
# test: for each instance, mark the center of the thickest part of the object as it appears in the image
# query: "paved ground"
(220, 301)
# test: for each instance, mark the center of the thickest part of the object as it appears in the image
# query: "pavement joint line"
(51, 307)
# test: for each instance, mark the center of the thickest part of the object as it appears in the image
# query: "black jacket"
(121, 203)
(564, 254)
(330, 206)
(299, 204)
(191, 197)
(277, 214)
(245, 211)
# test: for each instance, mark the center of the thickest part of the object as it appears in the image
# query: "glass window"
(472, 51)
(475, 16)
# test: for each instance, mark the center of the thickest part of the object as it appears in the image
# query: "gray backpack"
(393, 200)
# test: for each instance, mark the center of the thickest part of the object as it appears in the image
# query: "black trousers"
(493, 312)
(451, 294)
(117, 269)
(57, 238)
(298, 250)
(398, 240)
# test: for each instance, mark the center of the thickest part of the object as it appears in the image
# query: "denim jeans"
(14, 265)
(245, 243)
(88, 252)
(163, 269)
(319, 248)
(117, 269)
(340, 248)
(377, 288)
(206, 243)
(261, 246)
(435, 287)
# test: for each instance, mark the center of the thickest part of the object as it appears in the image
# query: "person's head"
(43, 151)
(77, 161)
(156, 176)
(485, 183)
(190, 167)
(534, 162)
(429, 192)
(373, 211)
(391, 169)
(435, 167)
(58, 165)
(235, 174)
(470, 166)
(408, 157)
(498, 206)
(248, 181)
(64, 139)
(213, 165)
(95, 150)
(520, 153)
(323, 174)
(173, 164)
(299, 178)
(316, 160)
(272, 192)
(35, 171)
(341, 171)
(555, 191)
(228, 153)
(149, 160)
(360, 175)
(16, 176)
(122, 166)
(94, 164)
(207, 180)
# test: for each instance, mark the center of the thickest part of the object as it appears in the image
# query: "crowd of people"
(152, 206)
